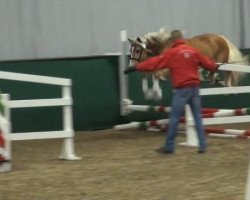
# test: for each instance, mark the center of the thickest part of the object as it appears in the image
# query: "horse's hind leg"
(234, 78)
(231, 79)
(228, 79)
(222, 57)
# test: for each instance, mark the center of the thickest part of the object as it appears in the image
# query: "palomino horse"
(214, 46)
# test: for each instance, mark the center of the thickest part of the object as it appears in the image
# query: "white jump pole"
(123, 80)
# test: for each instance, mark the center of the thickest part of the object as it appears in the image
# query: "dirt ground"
(122, 165)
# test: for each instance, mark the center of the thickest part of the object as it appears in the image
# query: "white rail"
(35, 78)
(41, 135)
(235, 68)
(225, 90)
(39, 103)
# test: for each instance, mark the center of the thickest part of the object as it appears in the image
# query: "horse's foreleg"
(144, 84)
(148, 93)
(157, 92)
(151, 93)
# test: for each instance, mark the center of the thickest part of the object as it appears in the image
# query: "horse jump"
(67, 133)
(126, 106)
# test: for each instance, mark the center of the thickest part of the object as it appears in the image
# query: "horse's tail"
(235, 56)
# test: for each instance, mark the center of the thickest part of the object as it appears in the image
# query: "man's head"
(176, 35)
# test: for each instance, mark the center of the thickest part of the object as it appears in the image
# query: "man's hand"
(129, 70)
(218, 65)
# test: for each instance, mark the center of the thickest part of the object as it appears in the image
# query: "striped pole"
(213, 110)
(228, 113)
(141, 124)
(233, 132)
(228, 136)
(215, 132)
(163, 125)
(151, 123)
(147, 108)
(5, 164)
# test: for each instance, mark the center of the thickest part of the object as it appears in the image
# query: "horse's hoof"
(157, 95)
(163, 79)
(149, 94)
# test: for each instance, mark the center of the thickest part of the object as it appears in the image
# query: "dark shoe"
(162, 150)
(4, 161)
(201, 151)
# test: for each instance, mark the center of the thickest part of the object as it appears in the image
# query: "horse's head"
(138, 51)
(149, 45)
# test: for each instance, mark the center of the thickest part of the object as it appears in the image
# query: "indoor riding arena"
(79, 121)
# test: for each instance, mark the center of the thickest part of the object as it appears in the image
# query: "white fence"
(67, 132)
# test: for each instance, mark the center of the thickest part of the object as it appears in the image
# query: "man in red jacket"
(183, 62)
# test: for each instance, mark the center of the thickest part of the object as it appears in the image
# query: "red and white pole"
(2, 148)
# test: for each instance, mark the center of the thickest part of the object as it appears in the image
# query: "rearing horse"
(214, 46)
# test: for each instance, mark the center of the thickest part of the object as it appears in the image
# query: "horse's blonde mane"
(155, 41)
(162, 36)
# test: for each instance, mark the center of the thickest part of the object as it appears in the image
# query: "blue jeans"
(181, 97)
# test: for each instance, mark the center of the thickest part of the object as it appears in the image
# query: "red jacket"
(183, 62)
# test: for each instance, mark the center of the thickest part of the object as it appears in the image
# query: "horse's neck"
(168, 45)
(158, 50)
(160, 46)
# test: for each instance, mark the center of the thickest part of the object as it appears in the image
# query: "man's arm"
(207, 62)
(154, 63)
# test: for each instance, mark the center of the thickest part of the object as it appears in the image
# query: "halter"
(141, 48)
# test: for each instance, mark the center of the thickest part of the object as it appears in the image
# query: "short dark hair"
(176, 35)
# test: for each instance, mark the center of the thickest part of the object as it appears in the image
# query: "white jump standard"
(67, 132)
